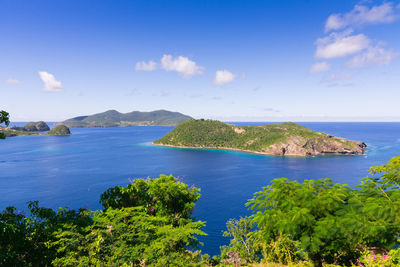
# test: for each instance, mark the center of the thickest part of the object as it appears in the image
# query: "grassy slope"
(209, 133)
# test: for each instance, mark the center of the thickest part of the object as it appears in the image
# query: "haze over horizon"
(226, 60)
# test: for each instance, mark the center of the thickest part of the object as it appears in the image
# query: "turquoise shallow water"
(73, 170)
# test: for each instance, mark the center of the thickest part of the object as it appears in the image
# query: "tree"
(4, 118)
(24, 239)
(378, 206)
(309, 212)
(128, 236)
(164, 196)
(244, 241)
(147, 222)
(333, 223)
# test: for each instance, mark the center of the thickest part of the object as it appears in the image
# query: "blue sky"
(229, 60)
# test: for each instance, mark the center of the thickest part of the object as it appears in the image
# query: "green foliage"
(244, 241)
(215, 134)
(332, 223)
(35, 126)
(4, 118)
(128, 236)
(391, 172)
(370, 259)
(165, 196)
(378, 206)
(282, 250)
(200, 133)
(150, 225)
(59, 130)
(394, 257)
(24, 240)
(309, 212)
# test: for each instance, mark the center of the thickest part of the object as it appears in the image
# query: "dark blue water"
(74, 170)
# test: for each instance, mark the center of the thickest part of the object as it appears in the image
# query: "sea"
(72, 171)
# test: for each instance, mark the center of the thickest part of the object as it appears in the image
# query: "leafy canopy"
(333, 223)
(146, 223)
(4, 118)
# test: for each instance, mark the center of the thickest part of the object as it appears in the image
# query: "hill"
(23, 131)
(112, 118)
(286, 139)
(59, 130)
(39, 126)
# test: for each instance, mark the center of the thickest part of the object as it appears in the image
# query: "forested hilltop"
(150, 223)
(112, 118)
(286, 139)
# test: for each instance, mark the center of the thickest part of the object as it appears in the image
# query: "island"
(59, 130)
(113, 118)
(285, 139)
(34, 128)
(39, 126)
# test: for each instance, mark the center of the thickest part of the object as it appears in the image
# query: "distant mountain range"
(112, 118)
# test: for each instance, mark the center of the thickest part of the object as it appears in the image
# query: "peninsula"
(286, 139)
(112, 118)
(35, 128)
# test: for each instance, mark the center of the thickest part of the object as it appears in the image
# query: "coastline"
(237, 150)
(256, 152)
(220, 148)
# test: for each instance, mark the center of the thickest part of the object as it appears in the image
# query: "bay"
(74, 170)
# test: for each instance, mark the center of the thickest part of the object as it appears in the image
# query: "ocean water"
(74, 170)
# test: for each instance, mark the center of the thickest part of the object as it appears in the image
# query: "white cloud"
(320, 67)
(373, 56)
(50, 82)
(340, 45)
(223, 77)
(146, 66)
(360, 15)
(182, 65)
(12, 81)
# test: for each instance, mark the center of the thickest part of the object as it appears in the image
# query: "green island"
(113, 118)
(39, 126)
(149, 222)
(286, 139)
(34, 128)
(59, 130)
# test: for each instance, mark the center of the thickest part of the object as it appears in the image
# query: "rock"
(299, 146)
